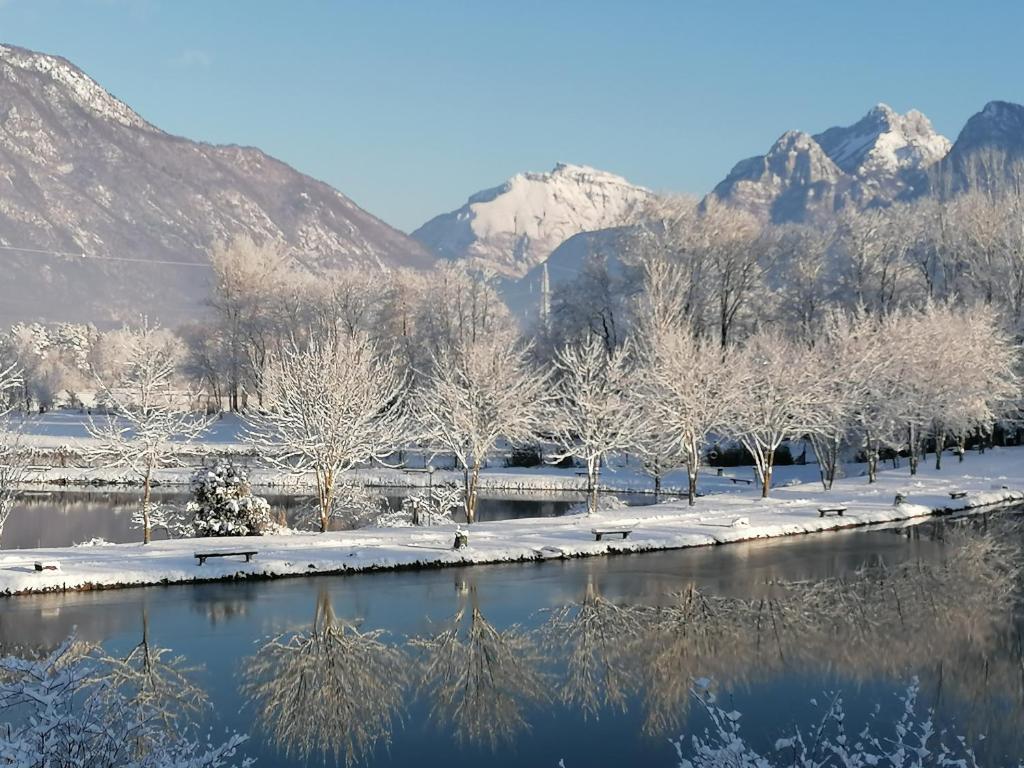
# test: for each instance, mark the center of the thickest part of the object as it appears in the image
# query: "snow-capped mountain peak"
(883, 157)
(68, 78)
(884, 141)
(516, 225)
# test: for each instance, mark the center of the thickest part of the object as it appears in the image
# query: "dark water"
(590, 660)
(63, 518)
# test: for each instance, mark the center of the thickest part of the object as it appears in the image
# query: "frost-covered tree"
(738, 256)
(870, 348)
(595, 302)
(14, 457)
(148, 421)
(875, 244)
(992, 389)
(839, 370)
(593, 411)
(667, 243)
(689, 392)
(967, 373)
(802, 277)
(475, 394)
(329, 406)
(244, 272)
(778, 400)
(720, 256)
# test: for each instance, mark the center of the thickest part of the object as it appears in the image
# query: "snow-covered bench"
(599, 533)
(203, 556)
(822, 511)
(957, 494)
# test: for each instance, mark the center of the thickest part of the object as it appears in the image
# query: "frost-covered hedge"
(224, 504)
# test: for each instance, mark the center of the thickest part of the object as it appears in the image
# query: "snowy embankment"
(994, 479)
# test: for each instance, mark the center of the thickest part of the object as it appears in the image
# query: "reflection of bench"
(957, 494)
(202, 556)
(599, 534)
(822, 511)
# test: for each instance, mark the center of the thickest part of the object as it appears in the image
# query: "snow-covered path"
(995, 478)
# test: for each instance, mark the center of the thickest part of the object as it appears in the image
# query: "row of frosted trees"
(334, 401)
(865, 382)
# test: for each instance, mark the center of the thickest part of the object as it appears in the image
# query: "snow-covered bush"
(61, 711)
(224, 504)
(912, 740)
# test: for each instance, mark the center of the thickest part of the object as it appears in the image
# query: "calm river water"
(61, 518)
(587, 661)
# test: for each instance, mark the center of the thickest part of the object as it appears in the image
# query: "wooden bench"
(822, 511)
(202, 556)
(599, 534)
(735, 480)
(957, 494)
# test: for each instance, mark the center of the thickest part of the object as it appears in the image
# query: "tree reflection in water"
(597, 639)
(328, 689)
(151, 679)
(956, 625)
(479, 679)
(953, 624)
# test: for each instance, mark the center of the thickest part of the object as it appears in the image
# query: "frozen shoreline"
(993, 480)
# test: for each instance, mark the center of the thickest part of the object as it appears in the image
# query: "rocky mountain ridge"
(104, 216)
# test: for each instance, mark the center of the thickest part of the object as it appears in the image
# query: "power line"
(68, 254)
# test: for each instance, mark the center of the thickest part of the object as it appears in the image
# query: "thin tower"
(545, 297)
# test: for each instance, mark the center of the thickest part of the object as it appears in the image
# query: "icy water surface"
(61, 518)
(587, 661)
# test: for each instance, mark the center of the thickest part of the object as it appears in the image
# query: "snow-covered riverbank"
(991, 480)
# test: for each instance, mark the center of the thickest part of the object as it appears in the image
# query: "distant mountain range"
(883, 158)
(104, 216)
(83, 175)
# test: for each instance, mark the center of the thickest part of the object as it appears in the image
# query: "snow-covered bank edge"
(662, 527)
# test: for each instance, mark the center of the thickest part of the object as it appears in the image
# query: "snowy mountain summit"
(883, 157)
(515, 226)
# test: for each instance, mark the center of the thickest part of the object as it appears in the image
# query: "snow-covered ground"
(994, 478)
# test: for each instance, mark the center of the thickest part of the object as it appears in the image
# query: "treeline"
(890, 329)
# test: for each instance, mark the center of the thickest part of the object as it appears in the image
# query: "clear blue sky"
(409, 107)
